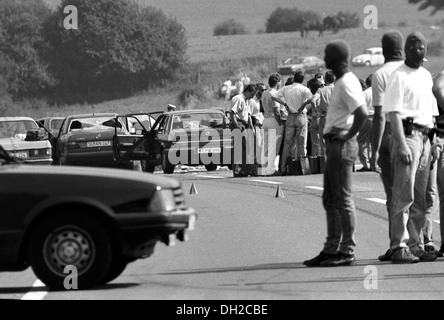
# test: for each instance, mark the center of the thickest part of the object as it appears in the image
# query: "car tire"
(167, 167)
(70, 239)
(146, 167)
(211, 167)
(368, 64)
(117, 268)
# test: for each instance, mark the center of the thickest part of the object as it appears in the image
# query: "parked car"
(87, 140)
(370, 57)
(22, 138)
(192, 137)
(53, 124)
(95, 219)
(310, 64)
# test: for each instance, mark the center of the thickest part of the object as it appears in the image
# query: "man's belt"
(425, 130)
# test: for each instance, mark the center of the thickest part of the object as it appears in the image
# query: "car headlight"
(162, 200)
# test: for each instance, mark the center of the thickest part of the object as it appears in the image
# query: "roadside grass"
(215, 59)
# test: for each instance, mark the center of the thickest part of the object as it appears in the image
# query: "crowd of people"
(389, 121)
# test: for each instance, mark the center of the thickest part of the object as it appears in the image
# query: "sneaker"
(431, 249)
(341, 259)
(386, 256)
(316, 261)
(424, 256)
(403, 255)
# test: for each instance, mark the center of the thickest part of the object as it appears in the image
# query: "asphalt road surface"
(249, 244)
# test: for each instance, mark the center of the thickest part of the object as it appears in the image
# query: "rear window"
(9, 129)
(198, 120)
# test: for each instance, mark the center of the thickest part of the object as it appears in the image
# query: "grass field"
(227, 56)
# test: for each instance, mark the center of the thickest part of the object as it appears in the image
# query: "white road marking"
(36, 295)
(212, 177)
(315, 188)
(382, 201)
(265, 181)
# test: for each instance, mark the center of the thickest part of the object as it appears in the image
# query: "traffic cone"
(193, 189)
(279, 192)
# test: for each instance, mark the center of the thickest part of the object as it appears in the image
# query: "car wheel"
(211, 167)
(117, 267)
(367, 64)
(167, 167)
(70, 239)
(146, 167)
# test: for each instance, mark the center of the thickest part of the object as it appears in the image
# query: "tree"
(21, 46)
(229, 27)
(117, 48)
(425, 4)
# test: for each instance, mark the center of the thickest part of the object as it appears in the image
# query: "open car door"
(132, 143)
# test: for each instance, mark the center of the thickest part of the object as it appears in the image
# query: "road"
(249, 244)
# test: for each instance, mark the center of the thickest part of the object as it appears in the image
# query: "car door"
(134, 143)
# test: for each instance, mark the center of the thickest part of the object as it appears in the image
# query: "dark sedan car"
(87, 140)
(95, 219)
(188, 137)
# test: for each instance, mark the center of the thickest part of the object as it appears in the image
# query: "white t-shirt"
(380, 79)
(240, 107)
(409, 92)
(368, 100)
(294, 95)
(255, 109)
(346, 98)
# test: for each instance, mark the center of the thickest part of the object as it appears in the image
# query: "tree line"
(119, 48)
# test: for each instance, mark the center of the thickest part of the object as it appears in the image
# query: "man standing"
(392, 48)
(257, 117)
(365, 134)
(273, 127)
(296, 97)
(411, 106)
(346, 114)
(241, 121)
(324, 97)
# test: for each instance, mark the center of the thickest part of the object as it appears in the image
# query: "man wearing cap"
(411, 106)
(346, 114)
(392, 49)
(171, 107)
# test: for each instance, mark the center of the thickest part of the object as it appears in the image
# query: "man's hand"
(405, 153)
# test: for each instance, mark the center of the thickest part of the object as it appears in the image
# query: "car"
(370, 57)
(96, 220)
(52, 124)
(22, 138)
(188, 137)
(309, 64)
(87, 140)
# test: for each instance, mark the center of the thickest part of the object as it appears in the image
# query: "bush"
(229, 27)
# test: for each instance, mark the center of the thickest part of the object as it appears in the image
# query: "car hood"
(11, 144)
(66, 173)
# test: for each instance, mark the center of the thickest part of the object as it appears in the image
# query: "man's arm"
(360, 116)
(378, 128)
(399, 136)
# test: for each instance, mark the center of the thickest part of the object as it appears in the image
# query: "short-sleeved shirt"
(294, 95)
(379, 82)
(323, 95)
(345, 99)
(255, 109)
(240, 107)
(270, 106)
(409, 92)
(368, 96)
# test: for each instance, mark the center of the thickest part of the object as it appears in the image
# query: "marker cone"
(193, 189)
(279, 192)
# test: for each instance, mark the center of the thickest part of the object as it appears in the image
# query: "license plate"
(208, 150)
(20, 154)
(91, 144)
(192, 222)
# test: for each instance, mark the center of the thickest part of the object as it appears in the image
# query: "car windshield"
(16, 128)
(368, 52)
(56, 124)
(93, 122)
(198, 120)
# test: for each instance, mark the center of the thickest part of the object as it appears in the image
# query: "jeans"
(337, 196)
(385, 163)
(296, 129)
(364, 142)
(427, 230)
(272, 139)
(440, 186)
(321, 135)
(409, 192)
(315, 138)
